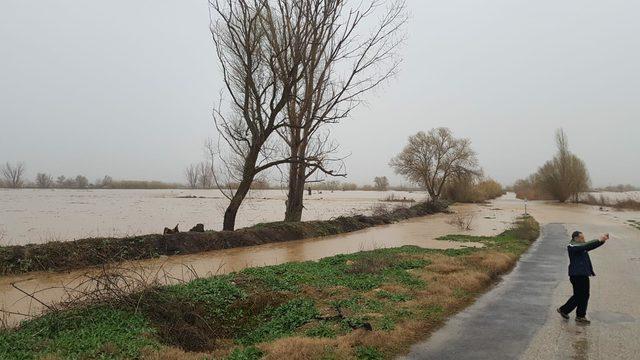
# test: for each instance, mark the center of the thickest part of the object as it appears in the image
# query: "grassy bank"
(368, 305)
(81, 253)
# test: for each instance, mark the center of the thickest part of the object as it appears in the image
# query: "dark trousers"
(580, 297)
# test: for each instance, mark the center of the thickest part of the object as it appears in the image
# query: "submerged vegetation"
(68, 255)
(634, 224)
(368, 305)
(627, 204)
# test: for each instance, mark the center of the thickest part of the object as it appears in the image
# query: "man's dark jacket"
(579, 261)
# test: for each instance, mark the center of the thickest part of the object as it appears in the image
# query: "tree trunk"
(232, 210)
(248, 174)
(295, 197)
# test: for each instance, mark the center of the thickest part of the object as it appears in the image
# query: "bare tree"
(381, 183)
(346, 58)
(204, 175)
(61, 181)
(44, 181)
(13, 175)
(81, 182)
(250, 38)
(191, 173)
(434, 158)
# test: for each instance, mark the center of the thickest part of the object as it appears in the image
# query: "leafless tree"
(61, 181)
(434, 158)
(191, 173)
(81, 182)
(250, 38)
(381, 183)
(346, 57)
(204, 175)
(13, 174)
(44, 181)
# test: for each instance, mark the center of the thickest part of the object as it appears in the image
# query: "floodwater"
(37, 216)
(51, 288)
(490, 219)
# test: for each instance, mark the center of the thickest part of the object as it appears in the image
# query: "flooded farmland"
(37, 216)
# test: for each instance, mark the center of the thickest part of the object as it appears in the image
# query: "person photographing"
(580, 269)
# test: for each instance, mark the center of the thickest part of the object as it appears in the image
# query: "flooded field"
(36, 216)
(51, 288)
(488, 219)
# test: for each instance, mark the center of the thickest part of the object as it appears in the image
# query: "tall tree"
(433, 159)
(346, 58)
(251, 37)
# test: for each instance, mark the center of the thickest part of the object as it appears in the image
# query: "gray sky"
(126, 87)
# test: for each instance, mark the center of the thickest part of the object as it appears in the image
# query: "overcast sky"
(126, 88)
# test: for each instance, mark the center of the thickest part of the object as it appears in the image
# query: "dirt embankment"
(96, 251)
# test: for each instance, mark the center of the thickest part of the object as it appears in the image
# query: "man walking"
(580, 269)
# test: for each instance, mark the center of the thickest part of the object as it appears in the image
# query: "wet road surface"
(517, 319)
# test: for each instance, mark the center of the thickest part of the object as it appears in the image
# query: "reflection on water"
(580, 346)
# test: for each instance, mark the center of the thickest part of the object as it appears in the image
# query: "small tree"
(61, 181)
(204, 175)
(81, 182)
(13, 175)
(191, 173)
(44, 181)
(566, 175)
(434, 158)
(381, 183)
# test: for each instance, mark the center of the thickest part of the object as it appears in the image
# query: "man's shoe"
(583, 320)
(566, 316)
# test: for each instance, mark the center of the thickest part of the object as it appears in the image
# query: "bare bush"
(380, 210)
(471, 189)
(394, 198)
(463, 221)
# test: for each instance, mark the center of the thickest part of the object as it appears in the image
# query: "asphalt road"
(517, 318)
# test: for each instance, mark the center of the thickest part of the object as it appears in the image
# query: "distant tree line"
(14, 176)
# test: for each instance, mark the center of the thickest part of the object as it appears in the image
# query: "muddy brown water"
(37, 215)
(491, 219)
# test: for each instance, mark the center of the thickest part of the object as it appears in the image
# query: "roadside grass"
(367, 305)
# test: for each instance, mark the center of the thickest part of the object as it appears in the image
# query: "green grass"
(515, 240)
(95, 333)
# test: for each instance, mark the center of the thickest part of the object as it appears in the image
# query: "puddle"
(612, 317)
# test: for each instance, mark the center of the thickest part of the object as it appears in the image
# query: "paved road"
(517, 319)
